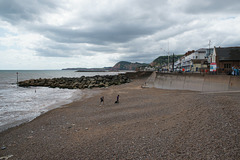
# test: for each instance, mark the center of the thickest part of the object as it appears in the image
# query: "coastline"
(87, 93)
(148, 123)
(21, 104)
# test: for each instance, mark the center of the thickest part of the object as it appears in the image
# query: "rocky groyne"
(77, 83)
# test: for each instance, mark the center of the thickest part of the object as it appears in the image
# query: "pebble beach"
(147, 123)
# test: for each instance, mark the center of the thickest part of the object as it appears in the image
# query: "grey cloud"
(119, 25)
(102, 49)
(58, 52)
(62, 47)
(46, 52)
(136, 29)
(15, 11)
(62, 50)
(139, 57)
(212, 7)
(109, 33)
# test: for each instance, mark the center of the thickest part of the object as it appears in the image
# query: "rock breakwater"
(77, 83)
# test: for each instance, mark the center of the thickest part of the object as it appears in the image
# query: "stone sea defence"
(194, 82)
(77, 83)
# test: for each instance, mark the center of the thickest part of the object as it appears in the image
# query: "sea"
(20, 105)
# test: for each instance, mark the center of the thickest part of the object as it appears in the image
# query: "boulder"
(75, 83)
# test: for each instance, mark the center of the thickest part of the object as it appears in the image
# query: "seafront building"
(226, 59)
(222, 60)
(218, 60)
(194, 61)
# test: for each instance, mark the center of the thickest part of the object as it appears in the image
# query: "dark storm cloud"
(124, 23)
(62, 50)
(59, 52)
(53, 49)
(213, 6)
(136, 30)
(47, 52)
(16, 11)
(103, 49)
(117, 27)
(117, 33)
(102, 40)
(139, 57)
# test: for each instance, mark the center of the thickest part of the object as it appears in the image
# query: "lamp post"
(173, 63)
(168, 56)
(17, 78)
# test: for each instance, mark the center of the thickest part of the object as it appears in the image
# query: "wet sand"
(148, 123)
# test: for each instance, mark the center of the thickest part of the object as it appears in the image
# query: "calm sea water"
(19, 105)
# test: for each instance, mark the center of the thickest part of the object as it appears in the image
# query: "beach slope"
(148, 123)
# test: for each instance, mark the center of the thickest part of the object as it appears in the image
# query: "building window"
(227, 66)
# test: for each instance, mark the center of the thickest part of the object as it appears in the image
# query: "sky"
(56, 34)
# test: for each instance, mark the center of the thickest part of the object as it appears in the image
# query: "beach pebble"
(6, 157)
(3, 148)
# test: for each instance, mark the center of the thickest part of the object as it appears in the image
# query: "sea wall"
(138, 74)
(77, 83)
(194, 82)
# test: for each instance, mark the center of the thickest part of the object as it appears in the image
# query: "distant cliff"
(105, 69)
(123, 65)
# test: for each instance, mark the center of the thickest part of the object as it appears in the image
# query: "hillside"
(123, 65)
(162, 60)
(104, 69)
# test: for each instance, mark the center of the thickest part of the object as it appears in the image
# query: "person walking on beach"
(117, 99)
(102, 100)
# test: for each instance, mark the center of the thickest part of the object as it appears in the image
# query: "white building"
(186, 61)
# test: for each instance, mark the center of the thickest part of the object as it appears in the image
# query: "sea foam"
(19, 105)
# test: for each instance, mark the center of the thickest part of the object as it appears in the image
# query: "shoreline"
(84, 94)
(91, 93)
(148, 123)
(48, 108)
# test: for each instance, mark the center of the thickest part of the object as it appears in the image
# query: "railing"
(202, 71)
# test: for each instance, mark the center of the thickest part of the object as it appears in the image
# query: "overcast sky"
(56, 34)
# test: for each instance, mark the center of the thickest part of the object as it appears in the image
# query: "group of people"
(235, 71)
(102, 100)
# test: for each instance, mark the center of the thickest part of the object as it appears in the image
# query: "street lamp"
(17, 78)
(168, 55)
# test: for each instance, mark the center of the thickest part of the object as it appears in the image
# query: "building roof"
(189, 52)
(228, 54)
